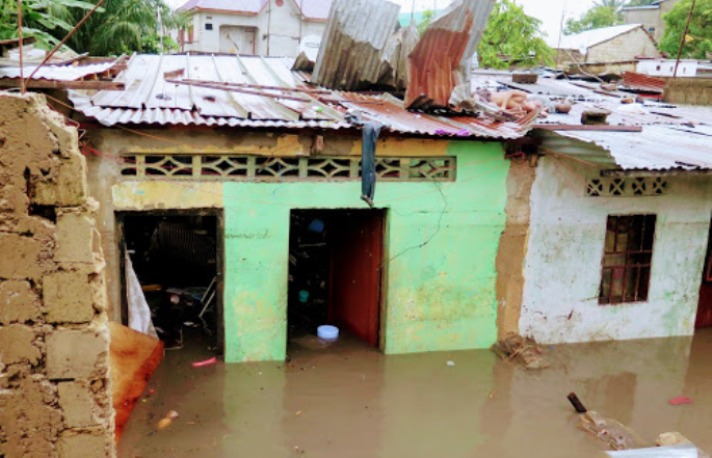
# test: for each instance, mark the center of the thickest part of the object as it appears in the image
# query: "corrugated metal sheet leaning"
(440, 60)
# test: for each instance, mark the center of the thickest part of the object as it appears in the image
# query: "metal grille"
(627, 259)
(626, 187)
(260, 168)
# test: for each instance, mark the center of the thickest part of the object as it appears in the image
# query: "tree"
(512, 38)
(44, 20)
(595, 18)
(698, 41)
(126, 26)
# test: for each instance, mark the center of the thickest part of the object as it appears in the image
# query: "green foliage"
(428, 16)
(513, 39)
(44, 20)
(595, 18)
(698, 42)
(119, 26)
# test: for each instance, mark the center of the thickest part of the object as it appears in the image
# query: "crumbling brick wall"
(54, 343)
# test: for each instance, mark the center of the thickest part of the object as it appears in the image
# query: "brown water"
(350, 401)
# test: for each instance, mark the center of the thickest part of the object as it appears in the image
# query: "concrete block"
(77, 403)
(74, 238)
(73, 354)
(72, 183)
(18, 302)
(16, 345)
(68, 297)
(20, 257)
(82, 444)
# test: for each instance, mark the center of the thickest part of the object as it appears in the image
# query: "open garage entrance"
(175, 258)
(335, 273)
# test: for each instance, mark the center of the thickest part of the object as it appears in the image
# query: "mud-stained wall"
(54, 343)
(513, 247)
(440, 296)
(566, 245)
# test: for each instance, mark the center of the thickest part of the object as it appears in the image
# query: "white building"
(264, 27)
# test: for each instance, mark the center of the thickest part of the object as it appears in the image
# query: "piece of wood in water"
(133, 357)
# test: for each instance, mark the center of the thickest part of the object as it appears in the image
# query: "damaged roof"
(260, 92)
(648, 136)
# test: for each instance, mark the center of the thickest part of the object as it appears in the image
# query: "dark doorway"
(704, 311)
(176, 258)
(335, 272)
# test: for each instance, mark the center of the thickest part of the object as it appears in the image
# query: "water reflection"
(351, 401)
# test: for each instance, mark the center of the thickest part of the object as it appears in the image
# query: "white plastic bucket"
(327, 332)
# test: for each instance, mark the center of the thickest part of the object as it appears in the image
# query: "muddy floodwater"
(348, 400)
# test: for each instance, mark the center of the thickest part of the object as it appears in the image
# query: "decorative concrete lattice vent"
(626, 187)
(259, 168)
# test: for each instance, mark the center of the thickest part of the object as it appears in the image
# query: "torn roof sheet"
(151, 100)
(657, 147)
(58, 72)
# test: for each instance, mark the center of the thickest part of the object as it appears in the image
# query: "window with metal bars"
(625, 272)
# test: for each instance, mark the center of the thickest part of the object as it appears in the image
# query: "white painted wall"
(277, 33)
(563, 264)
(666, 67)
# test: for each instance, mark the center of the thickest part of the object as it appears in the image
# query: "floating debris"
(525, 350)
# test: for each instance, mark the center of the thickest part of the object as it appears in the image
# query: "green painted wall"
(439, 296)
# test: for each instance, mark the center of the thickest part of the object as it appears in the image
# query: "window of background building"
(625, 273)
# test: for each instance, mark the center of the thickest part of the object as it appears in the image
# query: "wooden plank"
(50, 84)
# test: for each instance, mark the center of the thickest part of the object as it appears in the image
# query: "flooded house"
(616, 215)
(263, 186)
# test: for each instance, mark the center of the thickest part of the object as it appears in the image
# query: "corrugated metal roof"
(241, 6)
(641, 82)
(151, 100)
(350, 57)
(657, 147)
(58, 72)
(316, 10)
(436, 63)
(390, 112)
(584, 40)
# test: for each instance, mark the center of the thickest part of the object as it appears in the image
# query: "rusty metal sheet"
(438, 62)
(641, 82)
(353, 42)
(390, 112)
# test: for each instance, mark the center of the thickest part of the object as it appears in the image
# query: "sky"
(548, 11)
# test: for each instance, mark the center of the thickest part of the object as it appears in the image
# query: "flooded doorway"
(335, 272)
(176, 257)
(704, 310)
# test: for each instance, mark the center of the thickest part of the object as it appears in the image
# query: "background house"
(264, 27)
(650, 16)
(605, 50)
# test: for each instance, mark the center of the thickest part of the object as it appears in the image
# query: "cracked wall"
(54, 342)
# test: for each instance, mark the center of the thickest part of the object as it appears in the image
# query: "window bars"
(625, 272)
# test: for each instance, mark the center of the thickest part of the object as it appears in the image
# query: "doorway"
(335, 273)
(176, 259)
(704, 310)
(237, 40)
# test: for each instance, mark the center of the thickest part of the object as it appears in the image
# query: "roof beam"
(51, 84)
